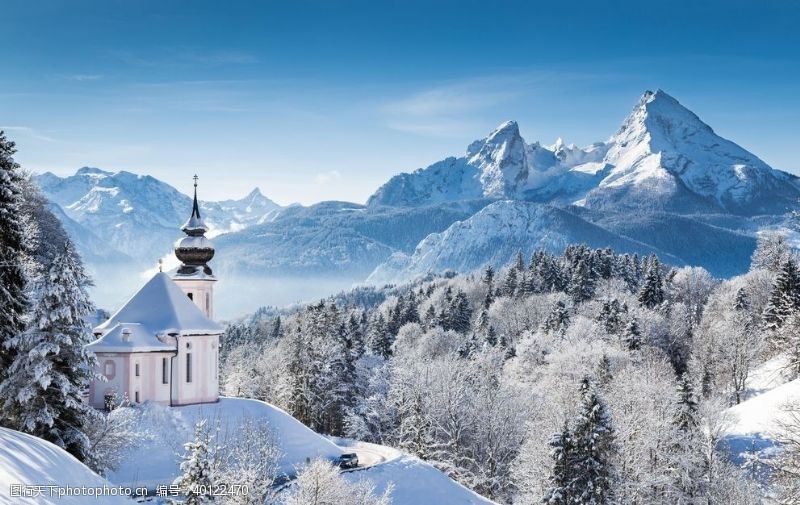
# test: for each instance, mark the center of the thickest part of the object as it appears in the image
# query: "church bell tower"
(195, 251)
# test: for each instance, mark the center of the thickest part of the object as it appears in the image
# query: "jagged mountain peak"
(256, 193)
(661, 120)
(506, 129)
(502, 160)
(665, 156)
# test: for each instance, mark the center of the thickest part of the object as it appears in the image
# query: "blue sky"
(326, 100)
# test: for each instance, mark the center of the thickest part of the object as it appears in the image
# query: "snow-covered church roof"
(162, 308)
(129, 337)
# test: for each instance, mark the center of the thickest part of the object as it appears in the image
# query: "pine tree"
(784, 298)
(459, 314)
(583, 455)
(558, 319)
(43, 390)
(632, 335)
(196, 466)
(742, 300)
(491, 337)
(685, 463)
(510, 284)
(13, 255)
(277, 329)
(431, 318)
(582, 283)
(593, 441)
(610, 316)
(686, 413)
(560, 491)
(652, 293)
(356, 334)
(379, 338)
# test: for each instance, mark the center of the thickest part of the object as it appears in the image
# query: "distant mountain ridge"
(120, 208)
(664, 183)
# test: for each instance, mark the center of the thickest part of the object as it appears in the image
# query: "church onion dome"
(195, 250)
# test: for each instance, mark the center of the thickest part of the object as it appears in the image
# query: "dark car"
(349, 460)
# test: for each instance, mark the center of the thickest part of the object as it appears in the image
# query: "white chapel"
(163, 345)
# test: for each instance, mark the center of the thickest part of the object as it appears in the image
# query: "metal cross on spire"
(195, 180)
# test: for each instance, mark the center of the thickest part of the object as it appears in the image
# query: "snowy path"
(369, 455)
(411, 479)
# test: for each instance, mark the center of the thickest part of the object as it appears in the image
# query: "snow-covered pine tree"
(558, 319)
(583, 454)
(784, 298)
(742, 300)
(511, 282)
(13, 252)
(593, 443)
(462, 313)
(277, 329)
(685, 461)
(356, 333)
(686, 405)
(582, 283)
(488, 281)
(197, 466)
(563, 475)
(610, 316)
(44, 387)
(632, 336)
(379, 338)
(651, 294)
(491, 336)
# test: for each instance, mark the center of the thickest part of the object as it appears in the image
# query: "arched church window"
(208, 304)
(109, 369)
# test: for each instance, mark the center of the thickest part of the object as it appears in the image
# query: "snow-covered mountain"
(500, 166)
(664, 183)
(662, 158)
(496, 233)
(665, 157)
(121, 207)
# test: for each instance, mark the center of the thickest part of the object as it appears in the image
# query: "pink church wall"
(204, 387)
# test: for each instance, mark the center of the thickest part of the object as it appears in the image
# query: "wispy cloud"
(327, 177)
(185, 57)
(452, 109)
(29, 132)
(81, 77)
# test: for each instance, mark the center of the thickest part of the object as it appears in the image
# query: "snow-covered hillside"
(155, 460)
(753, 424)
(30, 461)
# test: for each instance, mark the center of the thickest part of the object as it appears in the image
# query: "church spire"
(195, 207)
(195, 250)
(195, 226)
